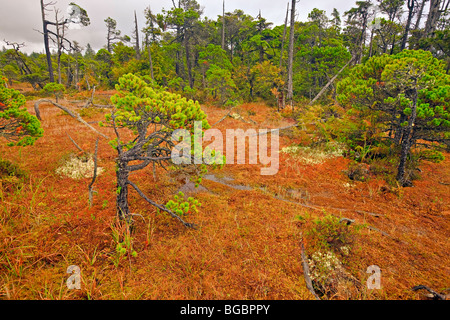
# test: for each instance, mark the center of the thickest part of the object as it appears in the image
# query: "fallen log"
(71, 113)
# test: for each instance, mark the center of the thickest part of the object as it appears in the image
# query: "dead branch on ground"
(73, 114)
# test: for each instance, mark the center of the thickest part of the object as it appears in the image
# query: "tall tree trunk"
(136, 33)
(223, 26)
(419, 14)
(46, 45)
(188, 62)
(150, 60)
(59, 44)
(393, 44)
(407, 141)
(284, 36)
(372, 32)
(122, 190)
(433, 18)
(362, 39)
(108, 40)
(77, 70)
(290, 69)
(411, 5)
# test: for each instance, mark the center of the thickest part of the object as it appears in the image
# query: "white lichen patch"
(236, 116)
(78, 168)
(317, 155)
(323, 266)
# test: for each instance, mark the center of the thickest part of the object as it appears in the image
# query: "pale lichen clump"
(78, 168)
(323, 266)
(318, 155)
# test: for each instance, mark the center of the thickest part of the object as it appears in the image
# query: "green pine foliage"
(17, 125)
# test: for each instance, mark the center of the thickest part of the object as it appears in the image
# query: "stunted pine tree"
(18, 126)
(406, 95)
(112, 34)
(151, 115)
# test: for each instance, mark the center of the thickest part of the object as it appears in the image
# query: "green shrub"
(330, 233)
(9, 169)
(54, 88)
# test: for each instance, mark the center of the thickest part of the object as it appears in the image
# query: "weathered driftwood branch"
(70, 112)
(91, 189)
(223, 118)
(91, 102)
(347, 221)
(306, 271)
(75, 144)
(330, 82)
(433, 294)
(278, 129)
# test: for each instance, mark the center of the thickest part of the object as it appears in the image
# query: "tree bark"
(290, 86)
(284, 37)
(433, 18)
(136, 32)
(123, 211)
(411, 5)
(188, 61)
(362, 39)
(150, 60)
(46, 45)
(59, 44)
(419, 14)
(223, 26)
(407, 141)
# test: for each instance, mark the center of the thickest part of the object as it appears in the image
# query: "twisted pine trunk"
(123, 211)
(407, 142)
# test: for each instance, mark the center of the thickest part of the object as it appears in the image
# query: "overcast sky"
(21, 17)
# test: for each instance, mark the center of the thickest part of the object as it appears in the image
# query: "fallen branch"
(433, 294)
(347, 221)
(306, 271)
(330, 82)
(71, 113)
(91, 102)
(223, 118)
(278, 129)
(75, 144)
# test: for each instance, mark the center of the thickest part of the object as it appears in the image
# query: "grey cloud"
(21, 17)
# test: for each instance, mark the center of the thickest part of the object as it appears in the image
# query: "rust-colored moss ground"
(247, 245)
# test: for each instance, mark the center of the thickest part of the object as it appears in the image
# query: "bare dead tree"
(290, 66)
(411, 6)
(136, 38)
(420, 14)
(223, 25)
(283, 99)
(434, 16)
(83, 20)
